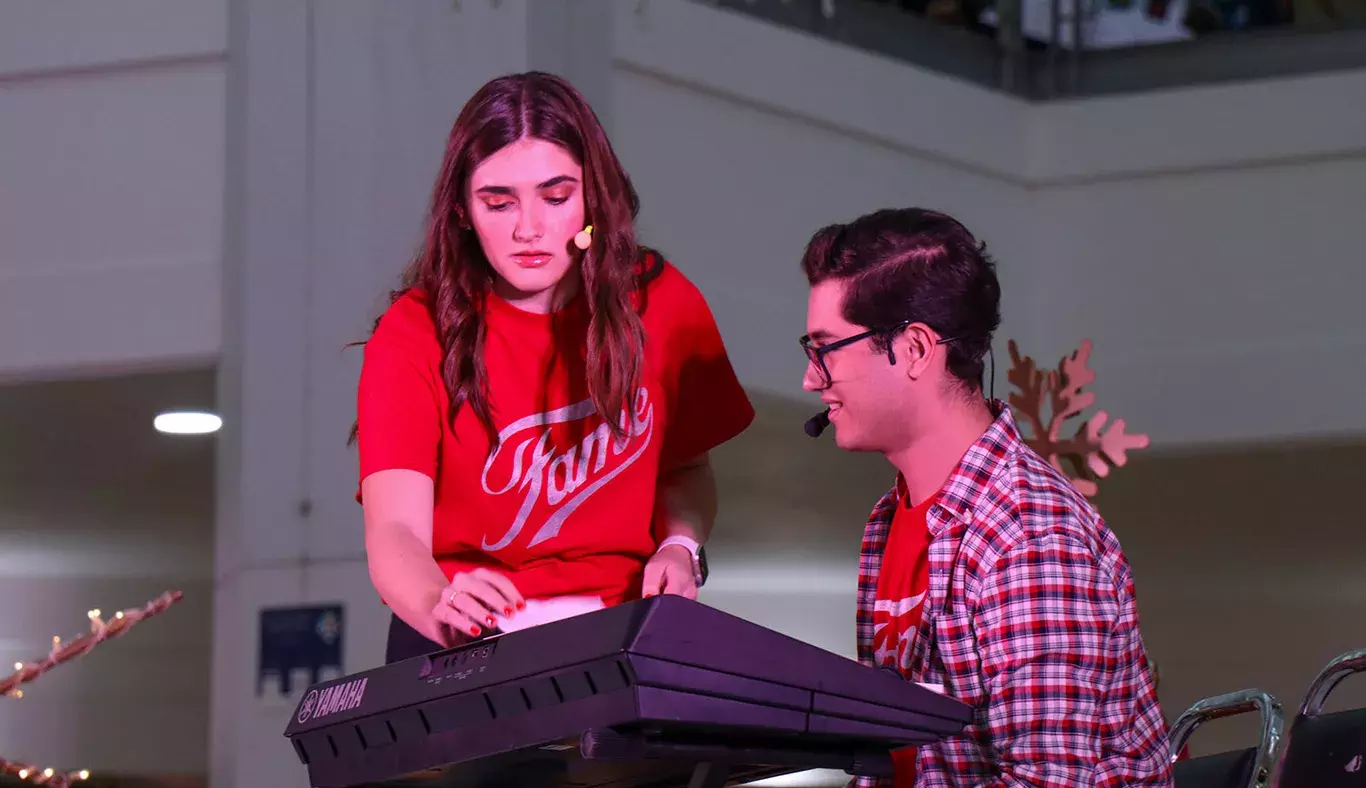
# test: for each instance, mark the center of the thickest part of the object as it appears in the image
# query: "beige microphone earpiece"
(584, 238)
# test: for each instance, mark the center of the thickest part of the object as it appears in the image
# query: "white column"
(338, 112)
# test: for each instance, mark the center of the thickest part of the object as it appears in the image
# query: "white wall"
(745, 138)
(111, 137)
(1210, 239)
(111, 178)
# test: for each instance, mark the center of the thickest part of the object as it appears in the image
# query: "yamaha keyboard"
(656, 693)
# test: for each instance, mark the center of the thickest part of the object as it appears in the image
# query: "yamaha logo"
(338, 697)
(306, 708)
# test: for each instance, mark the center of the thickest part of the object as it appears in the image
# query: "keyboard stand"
(709, 775)
(715, 757)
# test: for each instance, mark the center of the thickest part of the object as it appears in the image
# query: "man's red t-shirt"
(902, 586)
(560, 507)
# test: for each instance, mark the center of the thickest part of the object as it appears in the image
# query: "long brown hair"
(453, 272)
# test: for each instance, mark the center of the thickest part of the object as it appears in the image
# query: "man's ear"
(916, 345)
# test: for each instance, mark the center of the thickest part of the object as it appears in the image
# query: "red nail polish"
(474, 631)
(490, 621)
(521, 605)
(507, 611)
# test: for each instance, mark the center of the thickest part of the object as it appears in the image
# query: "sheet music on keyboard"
(543, 611)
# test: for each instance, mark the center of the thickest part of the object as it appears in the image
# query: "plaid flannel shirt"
(1031, 621)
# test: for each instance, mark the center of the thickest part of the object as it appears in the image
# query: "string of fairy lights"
(65, 651)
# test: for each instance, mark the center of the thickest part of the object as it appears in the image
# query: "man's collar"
(972, 476)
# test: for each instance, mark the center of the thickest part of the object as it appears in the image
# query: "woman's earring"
(584, 238)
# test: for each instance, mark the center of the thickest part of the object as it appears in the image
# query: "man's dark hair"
(913, 265)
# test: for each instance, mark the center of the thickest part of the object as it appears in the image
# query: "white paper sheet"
(541, 611)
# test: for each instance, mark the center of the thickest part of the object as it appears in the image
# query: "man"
(983, 569)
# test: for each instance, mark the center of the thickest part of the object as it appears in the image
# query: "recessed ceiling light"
(182, 422)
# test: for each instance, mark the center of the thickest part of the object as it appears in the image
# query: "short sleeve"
(399, 403)
(708, 404)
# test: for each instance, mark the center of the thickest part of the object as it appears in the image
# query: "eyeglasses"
(816, 354)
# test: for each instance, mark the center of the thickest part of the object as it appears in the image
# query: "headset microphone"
(817, 423)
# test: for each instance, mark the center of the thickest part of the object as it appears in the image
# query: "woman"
(537, 403)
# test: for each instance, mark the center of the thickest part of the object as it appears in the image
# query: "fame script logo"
(338, 697)
(570, 478)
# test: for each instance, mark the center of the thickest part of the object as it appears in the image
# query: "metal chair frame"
(1227, 705)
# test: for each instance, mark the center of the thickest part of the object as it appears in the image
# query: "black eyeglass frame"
(816, 355)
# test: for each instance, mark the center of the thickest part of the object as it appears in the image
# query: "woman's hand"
(472, 599)
(669, 571)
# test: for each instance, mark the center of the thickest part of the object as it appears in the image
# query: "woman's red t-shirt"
(560, 507)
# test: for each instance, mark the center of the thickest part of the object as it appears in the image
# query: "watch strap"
(694, 549)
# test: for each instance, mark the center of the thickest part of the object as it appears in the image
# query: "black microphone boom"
(817, 423)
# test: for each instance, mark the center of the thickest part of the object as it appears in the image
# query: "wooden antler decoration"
(1089, 451)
